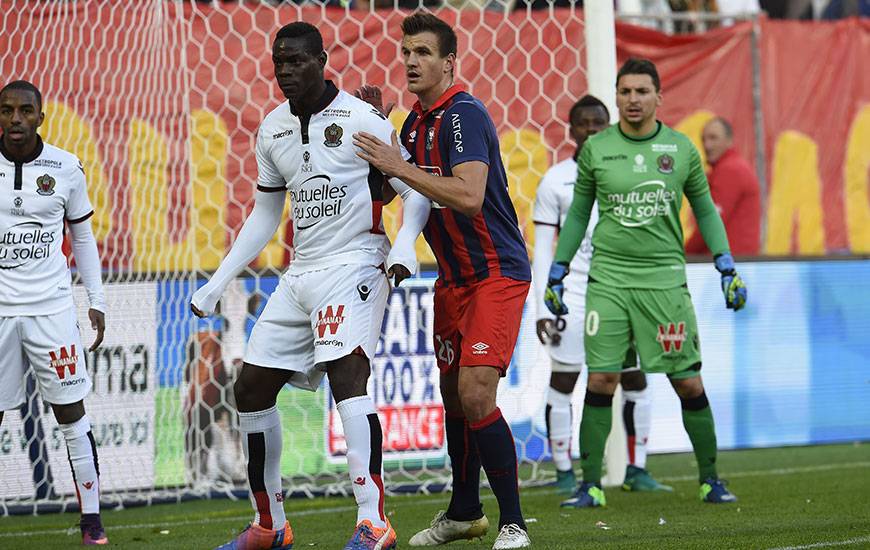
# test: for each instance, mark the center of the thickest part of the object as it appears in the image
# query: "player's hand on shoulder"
(547, 332)
(372, 95)
(98, 323)
(386, 157)
(732, 285)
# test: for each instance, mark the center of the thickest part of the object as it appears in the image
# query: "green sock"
(698, 421)
(594, 429)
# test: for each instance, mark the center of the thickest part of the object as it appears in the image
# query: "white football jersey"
(336, 197)
(38, 195)
(552, 201)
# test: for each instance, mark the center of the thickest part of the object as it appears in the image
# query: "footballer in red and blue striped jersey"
(457, 129)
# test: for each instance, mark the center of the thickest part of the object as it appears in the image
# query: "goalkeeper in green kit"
(637, 171)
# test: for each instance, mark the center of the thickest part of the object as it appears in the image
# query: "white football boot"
(443, 530)
(511, 536)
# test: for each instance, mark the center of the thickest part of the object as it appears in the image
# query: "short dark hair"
(422, 21)
(640, 66)
(305, 31)
(729, 130)
(25, 86)
(587, 101)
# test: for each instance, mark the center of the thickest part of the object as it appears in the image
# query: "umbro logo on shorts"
(364, 291)
(480, 348)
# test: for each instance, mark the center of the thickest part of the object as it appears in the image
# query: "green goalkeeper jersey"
(639, 185)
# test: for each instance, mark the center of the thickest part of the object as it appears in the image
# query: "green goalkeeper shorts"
(660, 322)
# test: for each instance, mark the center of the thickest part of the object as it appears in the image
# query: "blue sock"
(499, 458)
(465, 460)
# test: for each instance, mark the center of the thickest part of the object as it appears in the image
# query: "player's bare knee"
(688, 388)
(67, 414)
(348, 376)
(633, 380)
(564, 382)
(603, 382)
(477, 401)
(246, 396)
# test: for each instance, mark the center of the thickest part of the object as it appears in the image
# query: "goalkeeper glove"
(732, 284)
(555, 289)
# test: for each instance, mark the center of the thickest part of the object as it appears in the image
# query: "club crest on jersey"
(672, 336)
(332, 135)
(45, 185)
(430, 138)
(665, 163)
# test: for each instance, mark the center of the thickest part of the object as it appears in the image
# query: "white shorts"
(568, 355)
(52, 346)
(319, 316)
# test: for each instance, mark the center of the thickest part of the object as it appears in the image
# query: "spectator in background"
(838, 9)
(735, 191)
(693, 7)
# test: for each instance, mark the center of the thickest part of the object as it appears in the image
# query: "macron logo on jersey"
(63, 359)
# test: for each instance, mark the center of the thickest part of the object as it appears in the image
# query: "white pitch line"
(779, 471)
(847, 542)
(295, 513)
(337, 509)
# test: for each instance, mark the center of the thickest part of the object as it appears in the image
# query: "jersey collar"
(29, 158)
(328, 96)
(647, 137)
(445, 97)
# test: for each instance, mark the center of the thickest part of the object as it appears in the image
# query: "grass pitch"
(790, 498)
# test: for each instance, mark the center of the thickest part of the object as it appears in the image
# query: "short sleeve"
(466, 133)
(78, 206)
(268, 178)
(547, 202)
(696, 182)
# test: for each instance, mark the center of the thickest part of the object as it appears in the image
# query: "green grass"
(788, 497)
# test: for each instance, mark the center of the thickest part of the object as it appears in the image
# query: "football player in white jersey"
(564, 335)
(44, 187)
(326, 313)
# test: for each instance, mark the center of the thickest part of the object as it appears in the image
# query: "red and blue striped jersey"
(457, 129)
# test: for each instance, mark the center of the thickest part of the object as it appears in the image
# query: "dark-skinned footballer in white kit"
(45, 189)
(326, 313)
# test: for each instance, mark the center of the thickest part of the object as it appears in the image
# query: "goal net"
(161, 101)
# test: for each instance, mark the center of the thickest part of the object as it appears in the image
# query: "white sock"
(362, 432)
(636, 416)
(82, 451)
(558, 413)
(262, 442)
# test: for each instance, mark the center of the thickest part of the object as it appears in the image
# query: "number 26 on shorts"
(445, 350)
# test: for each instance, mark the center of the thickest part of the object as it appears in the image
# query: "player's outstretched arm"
(252, 239)
(402, 261)
(84, 249)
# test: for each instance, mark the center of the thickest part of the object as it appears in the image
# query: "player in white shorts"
(564, 335)
(43, 187)
(326, 313)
